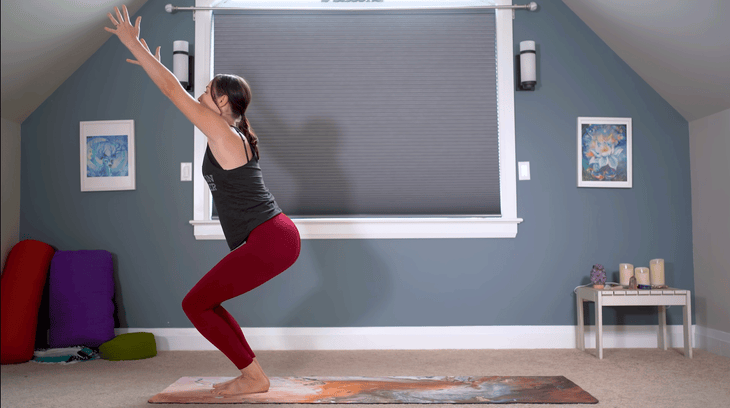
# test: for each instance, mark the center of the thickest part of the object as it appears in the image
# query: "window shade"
(370, 113)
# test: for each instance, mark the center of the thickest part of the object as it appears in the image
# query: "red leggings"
(270, 249)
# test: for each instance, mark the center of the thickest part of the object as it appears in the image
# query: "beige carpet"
(624, 378)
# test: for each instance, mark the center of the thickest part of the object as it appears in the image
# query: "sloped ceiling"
(44, 42)
(680, 47)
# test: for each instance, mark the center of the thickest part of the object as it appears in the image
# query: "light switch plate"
(186, 171)
(524, 173)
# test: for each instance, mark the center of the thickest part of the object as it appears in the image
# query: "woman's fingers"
(125, 17)
(126, 12)
(119, 14)
(157, 52)
(144, 43)
(115, 22)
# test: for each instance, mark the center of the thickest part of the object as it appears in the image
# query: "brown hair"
(239, 96)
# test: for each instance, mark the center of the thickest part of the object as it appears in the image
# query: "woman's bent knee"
(188, 304)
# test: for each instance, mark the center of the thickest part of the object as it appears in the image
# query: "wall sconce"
(183, 64)
(526, 69)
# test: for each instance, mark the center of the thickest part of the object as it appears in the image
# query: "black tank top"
(242, 199)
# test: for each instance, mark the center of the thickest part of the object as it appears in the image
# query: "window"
(368, 207)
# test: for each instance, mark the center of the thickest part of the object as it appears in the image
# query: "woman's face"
(206, 99)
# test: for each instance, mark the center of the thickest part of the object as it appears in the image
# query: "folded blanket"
(68, 355)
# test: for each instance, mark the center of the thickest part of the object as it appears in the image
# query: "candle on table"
(657, 271)
(626, 271)
(642, 276)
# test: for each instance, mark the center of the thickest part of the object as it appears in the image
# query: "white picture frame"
(107, 155)
(604, 152)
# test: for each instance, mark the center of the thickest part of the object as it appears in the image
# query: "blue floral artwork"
(604, 152)
(107, 156)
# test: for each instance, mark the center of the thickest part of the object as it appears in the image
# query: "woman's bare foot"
(218, 385)
(252, 381)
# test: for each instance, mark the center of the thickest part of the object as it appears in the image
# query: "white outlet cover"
(186, 171)
(524, 173)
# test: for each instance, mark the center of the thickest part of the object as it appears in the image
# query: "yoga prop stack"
(81, 307)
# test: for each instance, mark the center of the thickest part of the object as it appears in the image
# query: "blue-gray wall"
(528, 280)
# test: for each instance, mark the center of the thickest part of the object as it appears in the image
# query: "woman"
(264, 242)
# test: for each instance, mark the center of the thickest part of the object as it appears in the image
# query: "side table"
(626, 297)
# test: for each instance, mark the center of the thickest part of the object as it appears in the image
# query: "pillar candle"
(642, 276)
(626, 271)
(657, 271)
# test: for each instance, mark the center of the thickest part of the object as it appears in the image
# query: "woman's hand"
(128, 34)
(157, 53)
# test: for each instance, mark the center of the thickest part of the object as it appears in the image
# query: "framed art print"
(107, 155)
(604, 152)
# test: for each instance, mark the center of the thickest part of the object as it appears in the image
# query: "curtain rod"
(532, 6)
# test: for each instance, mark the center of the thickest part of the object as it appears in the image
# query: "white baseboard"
(426, 338)
(714, 341)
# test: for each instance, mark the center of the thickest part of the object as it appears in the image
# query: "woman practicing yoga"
(263, 241)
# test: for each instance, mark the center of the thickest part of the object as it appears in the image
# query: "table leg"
(580, 331)
(687, 320)
(599, 326)
(662, 335)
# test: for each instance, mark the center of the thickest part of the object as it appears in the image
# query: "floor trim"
(714, 341)
(430, 338)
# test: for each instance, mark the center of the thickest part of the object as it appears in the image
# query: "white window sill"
(385, 228)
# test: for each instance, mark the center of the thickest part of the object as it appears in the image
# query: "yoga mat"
(385, 390)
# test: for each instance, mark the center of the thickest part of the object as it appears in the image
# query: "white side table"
(626, 297)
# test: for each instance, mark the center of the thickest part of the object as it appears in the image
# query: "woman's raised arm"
(209, 122)
(129, 36)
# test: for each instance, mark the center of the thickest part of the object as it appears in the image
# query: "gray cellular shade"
(370, 113)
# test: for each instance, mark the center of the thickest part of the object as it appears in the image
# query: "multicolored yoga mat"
(385, 390)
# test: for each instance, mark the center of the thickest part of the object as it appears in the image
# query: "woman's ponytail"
(253, 140)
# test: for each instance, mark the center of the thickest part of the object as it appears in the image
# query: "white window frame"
(504, 226)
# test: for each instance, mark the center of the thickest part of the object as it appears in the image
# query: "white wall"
(710, 167)
(10, 158)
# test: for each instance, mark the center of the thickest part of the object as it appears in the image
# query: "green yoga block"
(129, 346)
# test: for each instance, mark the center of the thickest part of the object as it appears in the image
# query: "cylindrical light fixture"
(528, 70)
(181, 61)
